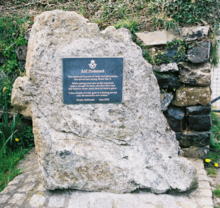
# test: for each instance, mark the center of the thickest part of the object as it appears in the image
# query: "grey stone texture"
(200, 53)
(165, 99)
(161, 37)
(37, 200)
(2, 59)
(193, 138)
(192, 74)
(192, 95)
(116, 148)
(171, 67)
(196, 152)
(200, 122)
(40, 197)
(167, 81)
(194, 33)
(176, 118)
(173, 54)
(198, 110)
(21, 52)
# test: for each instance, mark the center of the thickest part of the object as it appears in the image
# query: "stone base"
(196, 152)
(26, 191)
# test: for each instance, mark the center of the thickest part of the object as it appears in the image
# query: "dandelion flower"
(4, 89)
(17, 140)
(216, 165)
(207, 160)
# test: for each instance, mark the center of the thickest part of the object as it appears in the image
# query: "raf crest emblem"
(92, 65)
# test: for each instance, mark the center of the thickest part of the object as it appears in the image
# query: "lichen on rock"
(116, 148)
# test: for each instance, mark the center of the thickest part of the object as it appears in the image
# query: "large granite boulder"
(97, 147)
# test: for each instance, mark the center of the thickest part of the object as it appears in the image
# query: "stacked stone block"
(185, 88)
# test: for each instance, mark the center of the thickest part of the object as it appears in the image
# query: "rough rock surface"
(30, 193)
(21, 52)
(200, 53)
(167, 81)
(193, 138)
(171, 67)
(172, 54)
(97, 147)
(193, 33)
(196, 152)
(187, 95)
(176, 118)
(2, 59)
(156, 38)
(161, 37)
(200, 122)
(198, 110)
(195, 74)
(165, 99)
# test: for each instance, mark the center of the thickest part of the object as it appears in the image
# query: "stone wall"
(184, 84)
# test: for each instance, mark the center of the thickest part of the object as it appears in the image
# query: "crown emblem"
(92, 65)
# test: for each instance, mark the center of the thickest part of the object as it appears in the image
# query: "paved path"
(25, 191)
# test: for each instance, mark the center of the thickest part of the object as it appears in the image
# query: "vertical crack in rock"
(97, 147)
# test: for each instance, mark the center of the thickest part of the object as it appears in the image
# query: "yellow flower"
(207, 160)
(4, 89)
(16, 139)
(216, 165)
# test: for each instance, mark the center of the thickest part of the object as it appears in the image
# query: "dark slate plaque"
(92, 80)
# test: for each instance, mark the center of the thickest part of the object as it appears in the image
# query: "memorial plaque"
(92, 80)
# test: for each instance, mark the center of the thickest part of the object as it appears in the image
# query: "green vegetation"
(12, 31)
(8, 164)
(175, 51)
(212, 162)
(15, 141)
(217, 191)
(212, 172)
(215, 132)
(214, 53)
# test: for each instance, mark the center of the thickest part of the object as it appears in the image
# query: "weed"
(12, 31)
(8, 164)
(162, 21)
(217, 192)
(175, 51)
(212, 172)
(128, 24)
(13, 145)
(214, 53)
(215, 132)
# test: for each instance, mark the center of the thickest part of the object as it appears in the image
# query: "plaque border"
(94, 103)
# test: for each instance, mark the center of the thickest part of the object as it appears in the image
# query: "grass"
(214, 153)
(215, 132)
(14, 144)
(8, 164)
(217, 191)
(212, 172)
